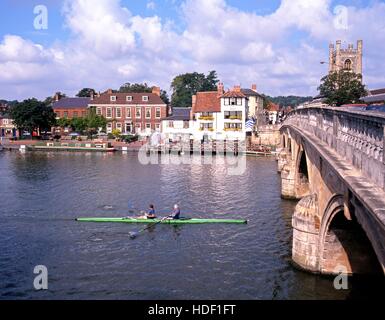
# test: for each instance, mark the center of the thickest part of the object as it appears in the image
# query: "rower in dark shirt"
(175, 212)
(150, 214)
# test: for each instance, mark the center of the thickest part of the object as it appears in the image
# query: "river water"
(43, 193)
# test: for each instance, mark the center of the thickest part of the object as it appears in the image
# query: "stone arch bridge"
(332, 160)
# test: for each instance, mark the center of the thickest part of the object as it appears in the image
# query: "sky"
(276, 44)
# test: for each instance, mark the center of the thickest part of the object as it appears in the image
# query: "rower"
(150, 214)
(175, 214)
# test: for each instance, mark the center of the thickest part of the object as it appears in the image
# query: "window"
(206, 126)
(128, 112)
(148, 113)
(118, 112)
(128, 98)
(113, 98)
(233, 115)
(227, 101)
(109, 127)
(157, 126)
(157, 113)
(75, 114)
(109, 113)
(65, 114)
(5, 122)
(145, 98)
(233, 126)
(239, 101)
(58, 114)
(186, 124)
(148, 126)
(138, 127)
(348, 64)
(138, 113)
(119, 126)
(99, 111)
(171, 124)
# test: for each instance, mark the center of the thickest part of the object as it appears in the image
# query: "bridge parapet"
(357, 136)
(333, 160)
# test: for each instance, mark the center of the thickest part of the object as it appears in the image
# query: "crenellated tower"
(349, 59)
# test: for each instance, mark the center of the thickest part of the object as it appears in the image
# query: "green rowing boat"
(167, 221)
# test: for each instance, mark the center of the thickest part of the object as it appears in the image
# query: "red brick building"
(131, 112)
(71, 107)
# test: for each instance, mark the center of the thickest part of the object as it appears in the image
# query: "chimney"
(254, 87)
(156, 90)
(220, 88)
(193, 103)
(98, 94)
(57, 96)
(237, 88)
(109, 91)
(92, 96)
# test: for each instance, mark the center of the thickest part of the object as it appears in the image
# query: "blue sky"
(103, 43)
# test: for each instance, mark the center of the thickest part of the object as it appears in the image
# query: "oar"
(133, 235)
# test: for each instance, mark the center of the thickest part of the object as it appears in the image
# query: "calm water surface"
(42, 194)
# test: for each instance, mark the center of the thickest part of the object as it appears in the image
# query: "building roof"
(121, 98)
(273, 107)
(179, 114)
(234, 94)
(207, 102)
(71, 103)
(250, 93)
(374, 98)
(377, 91)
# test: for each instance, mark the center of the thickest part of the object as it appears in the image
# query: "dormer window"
(128, 98)
(145, 98)
(113, 98)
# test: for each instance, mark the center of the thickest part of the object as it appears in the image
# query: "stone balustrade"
(358, 136)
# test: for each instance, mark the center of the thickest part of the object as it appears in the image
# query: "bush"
(110, 136)
(130, 138)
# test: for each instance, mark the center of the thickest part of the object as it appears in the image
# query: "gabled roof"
(250, 93)
(273, 107)
(233, 94)
(207, 102)
(121, 98)
(71, 103)
(179, 114)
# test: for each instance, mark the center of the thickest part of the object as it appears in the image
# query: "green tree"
(184, 86)
(86, 92)
(79, 124)
(94, 122)
(142, 87)
(342, 88)
(32, 115)
(63, 123)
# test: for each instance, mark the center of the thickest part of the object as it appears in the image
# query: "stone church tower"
(349, 59)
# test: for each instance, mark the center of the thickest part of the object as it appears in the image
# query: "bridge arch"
(344, 245)
(302, 173)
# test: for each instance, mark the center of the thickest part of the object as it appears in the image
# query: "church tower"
(349, 59)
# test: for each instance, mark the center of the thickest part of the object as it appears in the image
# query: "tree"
(184, 86)
(32, 115)
(142, 87)
(86, 92)
(94, 122)
(342, 87)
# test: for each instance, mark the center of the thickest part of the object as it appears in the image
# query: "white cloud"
(109, 46)
(151, 5)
